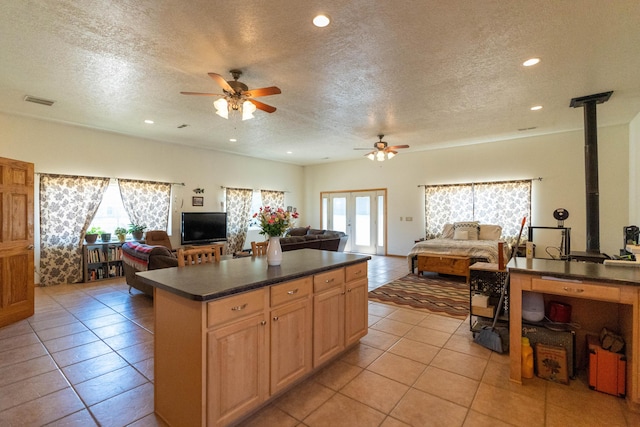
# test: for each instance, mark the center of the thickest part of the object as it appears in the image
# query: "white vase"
(274, 251)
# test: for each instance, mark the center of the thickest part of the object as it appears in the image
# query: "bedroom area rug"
(444, 295)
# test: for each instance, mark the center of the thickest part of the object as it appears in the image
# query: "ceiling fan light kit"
(382, 151)
(238, 97)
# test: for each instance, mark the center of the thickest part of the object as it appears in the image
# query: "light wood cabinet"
(291, 332)
(356, 311)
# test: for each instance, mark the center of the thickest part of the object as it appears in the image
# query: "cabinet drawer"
(328, 280)
(235, 307)
(576, 289)
(355, 272)
(290, 291)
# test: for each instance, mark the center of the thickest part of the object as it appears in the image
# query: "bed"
(460, 245)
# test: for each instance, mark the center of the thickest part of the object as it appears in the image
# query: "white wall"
(72, 150)
(557, 158)
(634, 176)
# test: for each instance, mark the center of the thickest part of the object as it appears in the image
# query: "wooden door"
(16, 241)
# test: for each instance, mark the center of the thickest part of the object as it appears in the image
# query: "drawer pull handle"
(276, 318)
(293, 292)
(239, 307)
(349, 290)
(329, 280)
(358, 272)
(264, 322)
(575, 290)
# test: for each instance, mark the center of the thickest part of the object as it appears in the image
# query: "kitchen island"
(600, 296)
(233, 335)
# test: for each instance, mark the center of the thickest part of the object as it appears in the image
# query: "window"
(111, 213)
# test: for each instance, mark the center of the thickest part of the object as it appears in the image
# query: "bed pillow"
(471, 227)
(490, 232)
(447, 231)
(461, 235)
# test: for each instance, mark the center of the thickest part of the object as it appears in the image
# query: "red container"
(559, 312)
(607, 370)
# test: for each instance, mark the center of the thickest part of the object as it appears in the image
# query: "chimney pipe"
(591, 165)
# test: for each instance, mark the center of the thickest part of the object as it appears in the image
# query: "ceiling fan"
(236, 96)
(382, 150)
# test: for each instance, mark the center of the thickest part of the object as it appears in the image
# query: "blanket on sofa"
(137, 255)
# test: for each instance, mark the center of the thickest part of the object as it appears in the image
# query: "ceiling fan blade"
(265, 91)
(262, 106)
(397, 146)
(201, 94)
(362, 149)
(222, 82)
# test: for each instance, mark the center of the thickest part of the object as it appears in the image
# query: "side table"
(487, 279)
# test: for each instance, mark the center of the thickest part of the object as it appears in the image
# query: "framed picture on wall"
(197, 201)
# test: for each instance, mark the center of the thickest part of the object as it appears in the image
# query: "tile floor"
(86, 358)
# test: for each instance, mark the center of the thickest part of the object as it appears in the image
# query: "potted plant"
(121, 232)
(92, 234)
(105, 237)
(137, 230)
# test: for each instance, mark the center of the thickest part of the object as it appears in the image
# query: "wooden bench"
(444, 264)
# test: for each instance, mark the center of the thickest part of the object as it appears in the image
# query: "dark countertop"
(576, 270)
(217, 280)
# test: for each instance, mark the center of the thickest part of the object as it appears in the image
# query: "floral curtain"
(146, 202)
(238, 201)
(275, 199)
(67, 206)
(502, 203)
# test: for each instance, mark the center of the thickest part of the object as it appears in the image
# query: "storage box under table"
(607, 370)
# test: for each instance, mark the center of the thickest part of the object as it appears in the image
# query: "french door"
(359, 214)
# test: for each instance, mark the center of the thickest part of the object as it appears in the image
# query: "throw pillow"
(472, 227)
(298, 231)
(461, 235)
(490, 232)
(447, 231)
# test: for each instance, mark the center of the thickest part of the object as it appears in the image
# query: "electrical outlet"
(409, 218)
(400, 218)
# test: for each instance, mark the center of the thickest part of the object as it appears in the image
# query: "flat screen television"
(201, 228)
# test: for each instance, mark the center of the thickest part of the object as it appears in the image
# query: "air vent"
(182, 126)
(38, 100)
(524, 129)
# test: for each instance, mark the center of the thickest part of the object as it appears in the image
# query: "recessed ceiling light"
(536, 108)
(233, 140)
(149, 122)
(289, 152)
(530, 62)
(321, 21)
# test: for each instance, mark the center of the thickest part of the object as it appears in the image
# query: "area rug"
(433, 293)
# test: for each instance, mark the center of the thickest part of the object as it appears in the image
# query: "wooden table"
(600, 295)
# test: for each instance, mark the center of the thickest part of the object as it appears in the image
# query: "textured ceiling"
(423, 72)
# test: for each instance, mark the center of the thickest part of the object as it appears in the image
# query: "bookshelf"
(102, 261)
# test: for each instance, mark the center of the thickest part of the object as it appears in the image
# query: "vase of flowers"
(273, 223)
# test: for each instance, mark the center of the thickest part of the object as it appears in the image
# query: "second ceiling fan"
(382, 150)
(236, 96)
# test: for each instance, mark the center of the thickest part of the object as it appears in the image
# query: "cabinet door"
(328, 321)
(238, 370)
(356, 311)
(291, 343)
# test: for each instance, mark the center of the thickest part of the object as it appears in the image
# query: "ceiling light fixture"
(382, 151)
(149, 122)
(530, 62)
(536, 108)
(321, 21)
(234, 102)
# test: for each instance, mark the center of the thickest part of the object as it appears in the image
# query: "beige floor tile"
(135, 336)
(373, 319)
(70, 341)
(380, 310)
(393, 422)
(558, 416)
(337, 374)
(392, 327)
(51, 319)
(61, 331)
(460, 363)
(305, 398)
(27, 352)
(378, 339)
(145, 367)
(509, 407)
(447, 385)
(340, 411)
(114, 329)
(463, 344)
(77, 419)
(125, 408)
(441, 323)
(43, 410)
(86, 314)
(411, 317)
(109, 385)
(32, 388)
(362, 355)
(92, 368)
(100, 322)
(270, 416)
(415, 350)
(20, 371)
(18, 341)
(18, 328)
(418, 408)
(151, 420)
(428, 336)
(476, 419)
(78, 354)
(374, 390)
(137, 353)
(398, 368)
(497, 374)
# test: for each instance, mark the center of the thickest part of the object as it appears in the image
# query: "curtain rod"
(482, 183)
(110, 177)
(253, 189)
